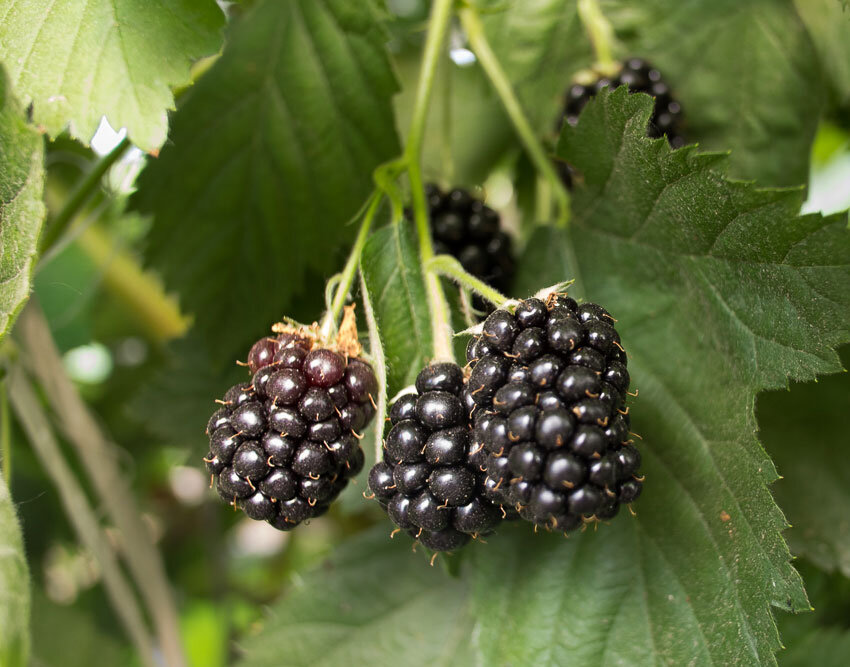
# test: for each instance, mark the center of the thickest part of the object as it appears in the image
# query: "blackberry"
(557, 439)
(640, 77)
(284, 446)
(431, 481)
(467, 229)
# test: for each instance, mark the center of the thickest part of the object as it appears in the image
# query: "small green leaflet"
(78, 60)
(14, 587)
(269, 157)
(21, 208)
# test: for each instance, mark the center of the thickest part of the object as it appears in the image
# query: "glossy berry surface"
(283, 446)
(558, 441)
(467, 229)
(431, 480)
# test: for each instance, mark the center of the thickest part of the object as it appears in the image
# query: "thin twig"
(99, 459)
(80, 195)
(80, 514)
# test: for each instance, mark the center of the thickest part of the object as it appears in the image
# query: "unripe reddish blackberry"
(283, 446)
(470, 231)
(640, 77)
(548, 384)
(429, 480)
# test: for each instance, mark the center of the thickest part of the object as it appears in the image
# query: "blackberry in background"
(430, 481)
(548, 386)
(640, 77)
(283, 446)
(467, 229)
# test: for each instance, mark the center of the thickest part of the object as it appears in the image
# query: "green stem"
(5, 435)
(448, 266)
(379, 364)
(478, 40)
(600, 32)
(80, 195)
(350, 270)
(441, 13)
(80, 513)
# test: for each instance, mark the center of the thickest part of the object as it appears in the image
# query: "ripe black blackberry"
(283, 446)
(548, 387)
(430, 481)
(640, 77)
(467, 229)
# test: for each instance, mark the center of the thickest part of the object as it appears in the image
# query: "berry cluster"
(549, 385)
(283, 446)
(429, 481)
(465, 228)
(640, 77)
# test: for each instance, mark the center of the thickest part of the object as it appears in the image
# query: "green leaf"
(394, 279)
(801, 430)
(719, 290)
(14, 587)
(21, 208)
(828, 22)
(762, 103)
(269, 157)
(374, 602)
(78, 60)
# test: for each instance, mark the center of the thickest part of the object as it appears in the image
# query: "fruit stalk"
(448, 266)
(347, 276)
(438, 24)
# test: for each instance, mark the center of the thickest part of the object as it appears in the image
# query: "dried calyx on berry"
(284, 445)
(640, 77)
(549, 384)
(467, 229)
(430, 480)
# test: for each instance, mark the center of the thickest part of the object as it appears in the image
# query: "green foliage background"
(262, 128)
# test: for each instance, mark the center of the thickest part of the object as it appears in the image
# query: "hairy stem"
(80, 195)
(100, 462)
(80, 514)
(441, 13)
(481, 46)
(446, 265)
(346, 279)
(601, 34)
(379, 364)
(5, 435)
